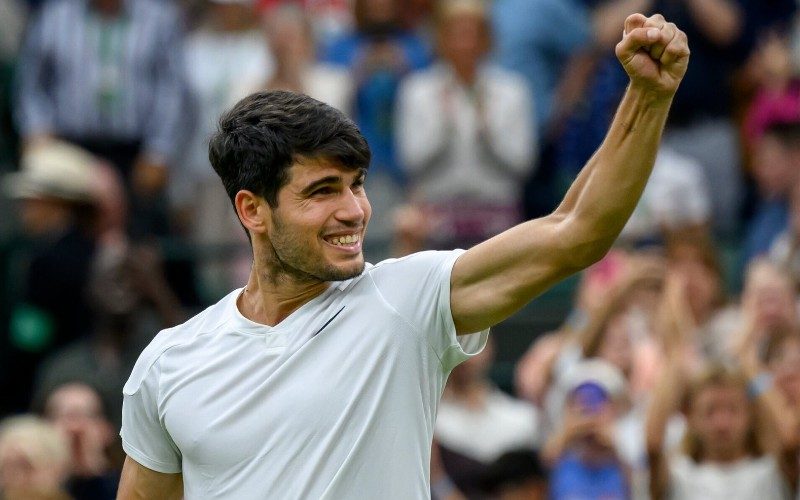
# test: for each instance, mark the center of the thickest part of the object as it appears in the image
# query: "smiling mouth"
(347, 240)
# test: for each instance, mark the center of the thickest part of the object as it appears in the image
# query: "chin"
(343, 272)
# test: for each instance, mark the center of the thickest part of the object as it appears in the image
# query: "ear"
(252, 211)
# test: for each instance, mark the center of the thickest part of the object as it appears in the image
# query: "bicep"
(139, 482)
(496, 278)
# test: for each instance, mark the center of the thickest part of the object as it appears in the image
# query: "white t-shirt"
(336, 401)
(747, 479)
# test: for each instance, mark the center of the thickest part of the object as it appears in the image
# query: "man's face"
(317, 228)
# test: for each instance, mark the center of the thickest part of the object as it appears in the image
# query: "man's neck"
(269, 301)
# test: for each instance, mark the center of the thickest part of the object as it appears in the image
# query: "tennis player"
(321, 377)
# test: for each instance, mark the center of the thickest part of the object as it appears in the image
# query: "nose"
(352, 208)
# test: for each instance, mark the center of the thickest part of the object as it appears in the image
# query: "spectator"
(776, 162)
(129, 299)
(582, 451)
(676, 198)
(620, 333)
(226, 58)
(731, 414)
(58, 207)
(76, 410)
(109, 78)
(777, 96)
(477, 423)
(463, 132)
(34, 460)
(554, 352)
(617, 331)
(768, 308)
(296, 67)
(379, 53)
(693, 259)
(722, 457)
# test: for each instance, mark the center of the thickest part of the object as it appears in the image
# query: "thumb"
(634, 21)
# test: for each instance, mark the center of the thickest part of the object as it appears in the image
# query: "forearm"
(720, 20)
(605, 193)
(666, 401)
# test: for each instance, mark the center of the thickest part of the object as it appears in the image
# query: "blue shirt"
(88, 77)
(573, 479)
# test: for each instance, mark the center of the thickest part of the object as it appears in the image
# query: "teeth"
(344, 240)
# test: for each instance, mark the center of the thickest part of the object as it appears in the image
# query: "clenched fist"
(654, 53)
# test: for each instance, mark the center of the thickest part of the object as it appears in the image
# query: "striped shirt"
(119, 78)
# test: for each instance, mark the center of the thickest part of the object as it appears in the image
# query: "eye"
(325, 190)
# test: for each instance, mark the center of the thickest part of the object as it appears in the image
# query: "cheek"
(366, 207)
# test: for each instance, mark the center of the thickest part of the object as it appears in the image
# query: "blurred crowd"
(676, 373)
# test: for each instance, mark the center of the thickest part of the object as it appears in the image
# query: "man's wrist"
(649, 96)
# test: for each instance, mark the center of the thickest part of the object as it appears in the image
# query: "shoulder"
(420, 261)
(203, 323)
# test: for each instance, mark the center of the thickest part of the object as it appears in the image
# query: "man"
(108, 75)
(465, 132)
(76, 409)
(321, 378)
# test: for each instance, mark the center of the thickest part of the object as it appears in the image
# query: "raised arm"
(675, 327)
(496, 278)
(140, 483)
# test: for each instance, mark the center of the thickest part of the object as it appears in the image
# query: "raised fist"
(654, 53)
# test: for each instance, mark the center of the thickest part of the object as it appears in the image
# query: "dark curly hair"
(265, 133)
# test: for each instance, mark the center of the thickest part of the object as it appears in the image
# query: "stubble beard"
(291, 259)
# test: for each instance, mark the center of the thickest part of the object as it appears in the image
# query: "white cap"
(55, 169)
(607, 376)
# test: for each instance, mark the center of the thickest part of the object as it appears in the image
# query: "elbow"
(583, 245)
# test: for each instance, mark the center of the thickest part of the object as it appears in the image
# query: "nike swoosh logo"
(328, 322)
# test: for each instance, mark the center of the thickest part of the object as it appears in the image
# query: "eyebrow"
(330, 179)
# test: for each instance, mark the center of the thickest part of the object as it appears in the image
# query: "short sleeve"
(418, 288)
(144, 437)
